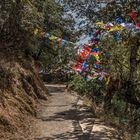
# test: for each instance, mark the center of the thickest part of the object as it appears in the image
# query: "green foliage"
(91, 88)
(124, 64)
(20, 18)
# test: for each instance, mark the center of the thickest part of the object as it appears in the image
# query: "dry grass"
(20, 90)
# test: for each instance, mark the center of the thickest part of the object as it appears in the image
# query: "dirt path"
(65, 117)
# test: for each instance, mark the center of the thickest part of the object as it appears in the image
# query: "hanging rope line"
(88, 51)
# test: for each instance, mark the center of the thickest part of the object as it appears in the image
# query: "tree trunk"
(131, 84)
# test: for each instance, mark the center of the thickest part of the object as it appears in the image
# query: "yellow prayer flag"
(36, 31)
(97, 57)
(99, 23)
(52, 37)
(108, 80)
(116, 28)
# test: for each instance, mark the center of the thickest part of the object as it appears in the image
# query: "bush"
(92, 88)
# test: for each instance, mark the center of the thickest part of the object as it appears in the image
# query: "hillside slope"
(20, 89)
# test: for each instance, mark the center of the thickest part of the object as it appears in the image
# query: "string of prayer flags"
(57, 39)
(88, 55)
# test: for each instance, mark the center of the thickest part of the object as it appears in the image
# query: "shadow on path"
(63, 118)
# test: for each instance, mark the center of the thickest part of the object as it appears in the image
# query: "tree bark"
(131, 84)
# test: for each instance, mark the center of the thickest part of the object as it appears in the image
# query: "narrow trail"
(64, 117)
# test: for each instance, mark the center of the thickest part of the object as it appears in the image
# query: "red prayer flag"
(134, 15)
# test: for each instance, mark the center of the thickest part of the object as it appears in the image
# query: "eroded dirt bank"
(20, 91)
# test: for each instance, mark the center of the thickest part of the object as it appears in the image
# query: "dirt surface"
(20, 90)
(64, 117)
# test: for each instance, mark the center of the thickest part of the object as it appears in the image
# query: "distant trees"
(23, 21)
